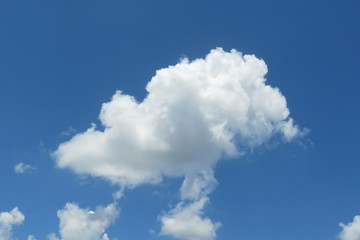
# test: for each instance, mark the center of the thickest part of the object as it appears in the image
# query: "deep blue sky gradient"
(60, 60)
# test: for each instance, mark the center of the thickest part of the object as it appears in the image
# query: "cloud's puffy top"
(194, 113)
(351, 231)
(8, 220)
(76, 222)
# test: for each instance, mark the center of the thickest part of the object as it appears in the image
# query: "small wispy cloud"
(69, 132)
(21, 168)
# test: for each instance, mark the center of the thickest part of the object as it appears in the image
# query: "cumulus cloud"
(8, 220)
(90, 225)
(186, 222)
(23, 168)
(350, 231)
(194, 113)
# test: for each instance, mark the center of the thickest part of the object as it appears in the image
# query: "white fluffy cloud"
(8, 220)
(351, 231)
(194, 113)
(23, 168)
(185, 222)
(76, 222)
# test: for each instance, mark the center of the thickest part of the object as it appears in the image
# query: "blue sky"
(61, 60)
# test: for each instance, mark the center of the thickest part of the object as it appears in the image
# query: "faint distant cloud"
(69, 132)
(21, 168)
(42, 148)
